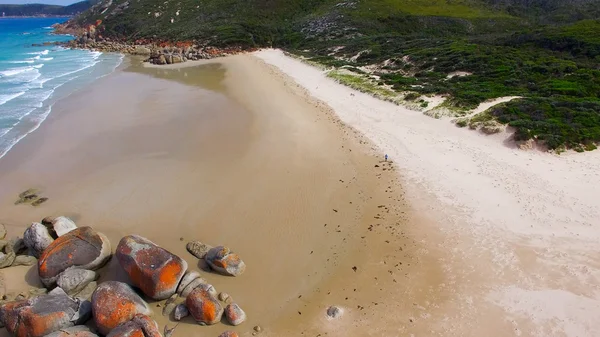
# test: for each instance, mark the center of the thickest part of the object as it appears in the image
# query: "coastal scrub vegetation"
(547, 52)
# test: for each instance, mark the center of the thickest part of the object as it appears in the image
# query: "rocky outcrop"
(234, 314)
(139, 325)
(82, 247)
(222, 260)
(44, 314)
(198, 249)
(114, 303)
(156, 271)
(203, 305)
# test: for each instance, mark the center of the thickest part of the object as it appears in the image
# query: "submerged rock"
(115, 303)
(153, 269)
(224, 261)
(82, 247)
(204, 306)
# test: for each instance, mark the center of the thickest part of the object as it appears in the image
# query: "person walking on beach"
(386, 157)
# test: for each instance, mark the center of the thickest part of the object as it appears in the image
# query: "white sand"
(521, 228)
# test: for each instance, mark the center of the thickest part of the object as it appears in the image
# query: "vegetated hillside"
(46, 10)
(547, 51)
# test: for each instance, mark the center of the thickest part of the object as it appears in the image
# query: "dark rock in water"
(334, 312)
(37, 238)
(24, 260)
(234, 314)
(225, 262)
(181, 311)
(115, 303)
(82, 247)
(153, 269)
(76, 331)
(139, 325)
(73, 280)
(198, 249)
(204, 306)
(39, 201)
(44, 314)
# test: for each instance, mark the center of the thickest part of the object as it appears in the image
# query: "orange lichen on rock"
(156, 271)
(204, 306)
(114, 303)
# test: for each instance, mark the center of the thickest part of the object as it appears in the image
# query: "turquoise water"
(33, 78)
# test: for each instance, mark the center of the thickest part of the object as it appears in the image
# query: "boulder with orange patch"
(229, 334)
(222, 260)
(114, 303)
(155, 270)
(138, 326)
(82, 247)
(204, 306)
(43, 315)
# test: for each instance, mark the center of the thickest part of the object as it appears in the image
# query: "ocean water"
(33, 78)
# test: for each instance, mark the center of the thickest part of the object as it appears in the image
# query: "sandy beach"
(458, 235)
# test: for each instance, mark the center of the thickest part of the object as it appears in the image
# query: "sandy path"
(520, 229)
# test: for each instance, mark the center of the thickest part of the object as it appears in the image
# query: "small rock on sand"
(229, 334)
(198, 249)
(222, 260)
(181, 311)
(234, 314)
(224, 297)
(334, 312)
(170, 305)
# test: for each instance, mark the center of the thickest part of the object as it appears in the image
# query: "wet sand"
(233, 152)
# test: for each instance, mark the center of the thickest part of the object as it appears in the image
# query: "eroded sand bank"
(232, 153)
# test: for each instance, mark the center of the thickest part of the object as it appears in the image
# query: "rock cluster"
(69, 259)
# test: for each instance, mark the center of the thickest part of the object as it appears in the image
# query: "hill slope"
(546, 51)
(46, 10)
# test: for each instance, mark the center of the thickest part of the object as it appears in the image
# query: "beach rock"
(198, 249)
(334, 312)
(24, 260)
(204, 306)
(225, 262)
(153, 269)
(87, 291)
(161, 60)
(177, 59)
(257, 328)
(140, 325)
(75, 331)
(181, 311)
(6, 260)
(114, 303)
(234, 314)
(170, 305)
(37, 238)
(73, 280)
(2, 232)
(42, 315)
(229, 334)
(63, 225)
(139, 50)
(16, 245)
(187, 278)
(192, 285)
(224, 297)
(82, 247)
